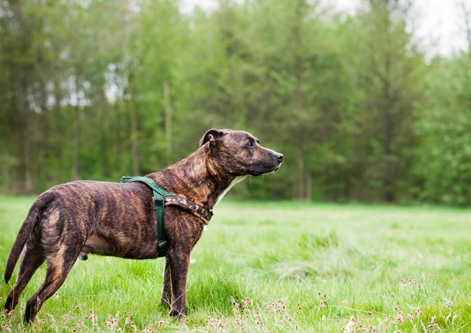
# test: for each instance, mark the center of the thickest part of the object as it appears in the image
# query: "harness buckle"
(162, 245)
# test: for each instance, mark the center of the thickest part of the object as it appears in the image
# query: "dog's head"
(239, 153)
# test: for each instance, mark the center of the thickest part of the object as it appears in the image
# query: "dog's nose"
(279, 157)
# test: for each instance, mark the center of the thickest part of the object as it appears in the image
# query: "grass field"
(276, 267)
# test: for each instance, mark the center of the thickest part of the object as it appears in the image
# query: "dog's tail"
(26, 229)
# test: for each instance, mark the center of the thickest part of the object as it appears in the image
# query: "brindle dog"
(118, 219)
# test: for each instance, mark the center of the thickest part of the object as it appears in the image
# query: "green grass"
(277, 267)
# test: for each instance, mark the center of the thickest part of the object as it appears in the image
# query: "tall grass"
(276, 267)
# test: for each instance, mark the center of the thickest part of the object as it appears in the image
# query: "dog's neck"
(197, 178)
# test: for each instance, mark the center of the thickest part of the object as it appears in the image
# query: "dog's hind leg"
(33, 257)
(166, 298)
(59, 265)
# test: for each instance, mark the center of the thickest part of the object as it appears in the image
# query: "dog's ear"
(213, 135)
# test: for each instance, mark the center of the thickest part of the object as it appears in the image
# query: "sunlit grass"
(276, 267)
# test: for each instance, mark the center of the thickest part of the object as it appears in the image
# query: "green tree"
(443, 170)
(26, 62)
(302, 93)
(386, 70)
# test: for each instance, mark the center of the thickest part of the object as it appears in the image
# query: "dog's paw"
(180, 315)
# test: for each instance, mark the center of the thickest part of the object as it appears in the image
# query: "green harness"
(159, 194)
(161, 198)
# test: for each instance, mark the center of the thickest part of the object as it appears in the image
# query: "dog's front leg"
(179, 262)
(167, 286)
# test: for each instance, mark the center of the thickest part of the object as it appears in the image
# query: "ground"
(276, 267)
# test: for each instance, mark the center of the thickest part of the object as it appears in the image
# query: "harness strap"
(204, 214)
(158, 199)
(162, 198)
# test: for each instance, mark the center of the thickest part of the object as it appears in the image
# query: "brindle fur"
(116, 219)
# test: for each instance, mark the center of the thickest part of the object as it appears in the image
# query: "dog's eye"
(250, 144)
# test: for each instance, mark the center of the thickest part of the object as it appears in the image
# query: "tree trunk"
(467, 24)
(387, 159)
(22, 92)
(76, 144)
(308, 183)
(134, 141)
(298, 95)
(27, 156)
(301, 175)
(388, 123)
(168, 119)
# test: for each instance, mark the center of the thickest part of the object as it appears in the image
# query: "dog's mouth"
(269, 164)
(259, 173)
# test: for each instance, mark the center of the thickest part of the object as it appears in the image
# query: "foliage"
(444, 154)
(101, 89)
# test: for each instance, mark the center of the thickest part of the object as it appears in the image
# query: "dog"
(75, 219)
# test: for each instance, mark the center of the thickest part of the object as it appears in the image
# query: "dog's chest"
(235, 181)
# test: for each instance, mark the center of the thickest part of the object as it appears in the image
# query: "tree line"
(95, 89)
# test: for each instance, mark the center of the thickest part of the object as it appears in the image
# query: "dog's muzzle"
(279, 158)
(270, 166)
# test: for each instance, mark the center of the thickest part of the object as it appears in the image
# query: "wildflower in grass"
(432, 324)
(248, 302)
(8, 314)
(399, 317)
(448, 303)
(216, 323)
(281, 306)
(5, 327)
(322, 301)
(67, 317)
(241, 323)
(112, 321)
(349, 327)
(269, 307)
(93, 318)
